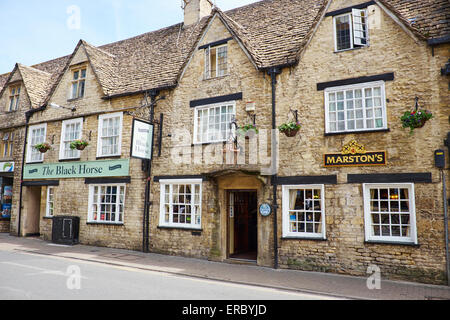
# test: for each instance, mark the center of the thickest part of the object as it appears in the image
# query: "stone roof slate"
(430, 17)
(272, 31)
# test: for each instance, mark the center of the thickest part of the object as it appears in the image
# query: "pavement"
(332, 285)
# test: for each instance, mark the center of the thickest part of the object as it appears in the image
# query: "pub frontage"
(255, 143)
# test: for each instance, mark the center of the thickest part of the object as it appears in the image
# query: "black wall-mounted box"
(439, 159)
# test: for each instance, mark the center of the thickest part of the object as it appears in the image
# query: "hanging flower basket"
(242, 131)
(42, 147)
(416, 119)
(78, 144)
(290, 129)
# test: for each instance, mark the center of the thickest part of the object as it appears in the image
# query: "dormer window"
(14, 98)
(216, 61)
(351, 30)
(78, 83)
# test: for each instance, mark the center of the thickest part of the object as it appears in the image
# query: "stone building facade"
(352, 189)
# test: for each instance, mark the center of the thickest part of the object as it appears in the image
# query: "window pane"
(392, 221)
(343, 32)
(305, 214)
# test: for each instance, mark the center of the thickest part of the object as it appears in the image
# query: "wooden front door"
(245, 224)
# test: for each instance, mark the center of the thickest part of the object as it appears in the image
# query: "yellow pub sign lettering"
(354, 154)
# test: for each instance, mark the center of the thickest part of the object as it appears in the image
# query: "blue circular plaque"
(265, 209)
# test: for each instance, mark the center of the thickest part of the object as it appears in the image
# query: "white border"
(196, 109)
(47, 209)
(162, 212)
(285, 218)
(63, 131)
(90, 218)
(364, 85)
(29, 146)
(367, 213)
(99, 134)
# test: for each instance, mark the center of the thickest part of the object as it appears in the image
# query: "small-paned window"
(304, 211)
(71, 130)
(359, 107)
(109, 135)
(14, 98)
(351, 30)
(390, 213)
(78, 83)
(106, 203)
(50, 201)
(212, 122)
(216, 61)
(181, 203)
(36, 136)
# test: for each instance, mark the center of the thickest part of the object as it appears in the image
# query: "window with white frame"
(14, 97)
(389, 211)
(78, 83)
(50, 201)
(304, 211)
(181, 203)
(359, 107)
(36, 136)
(71, 130)
(110, 135)
(212, 123)
(216, 61)
(106, 203)
(351, 30)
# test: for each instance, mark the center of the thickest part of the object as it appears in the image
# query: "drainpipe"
(28, 116)
(447, 143)
(148, 204)
(273, 72)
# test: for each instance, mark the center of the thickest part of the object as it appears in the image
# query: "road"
(37, 277)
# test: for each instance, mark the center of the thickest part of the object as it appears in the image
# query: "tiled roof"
(151, 60)
(272, 32)
(276, 29)
(430, 17)
(36, 82)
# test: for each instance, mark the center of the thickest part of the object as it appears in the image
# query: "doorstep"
(241, 261)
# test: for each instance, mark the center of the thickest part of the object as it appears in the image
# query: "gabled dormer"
(25, 88)
(89, 74)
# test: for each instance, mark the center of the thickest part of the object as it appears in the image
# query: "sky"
(37, 31)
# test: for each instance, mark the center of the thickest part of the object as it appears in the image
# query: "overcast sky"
(37, 31)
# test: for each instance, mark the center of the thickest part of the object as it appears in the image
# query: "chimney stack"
(195, 10)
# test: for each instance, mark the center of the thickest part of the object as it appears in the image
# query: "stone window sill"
(105, 224)
(74, 99)
(69, 160)
(216, 78)
(108, 157)
(393, 243)
(350, 49)
(180, 228)
(304, 238)
(5, 219)
(355, 132)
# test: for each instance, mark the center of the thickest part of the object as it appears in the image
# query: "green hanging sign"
(90, 169)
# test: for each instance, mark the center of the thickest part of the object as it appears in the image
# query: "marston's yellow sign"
(354, 154)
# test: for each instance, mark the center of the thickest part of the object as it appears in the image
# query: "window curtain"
(292, 199)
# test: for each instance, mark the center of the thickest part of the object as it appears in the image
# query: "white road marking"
(41, 270)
